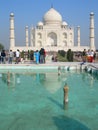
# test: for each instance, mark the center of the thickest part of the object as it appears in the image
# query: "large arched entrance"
(52, 39)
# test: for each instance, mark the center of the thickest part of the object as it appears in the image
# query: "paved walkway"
(48, 64)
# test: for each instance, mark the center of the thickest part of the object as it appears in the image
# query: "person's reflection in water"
(91, 81)
(18, 79)
(42, 77)
(59, 70)
(8, 78)
(11, 80)
(37, 78)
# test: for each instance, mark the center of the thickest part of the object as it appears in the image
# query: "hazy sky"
(30, 12)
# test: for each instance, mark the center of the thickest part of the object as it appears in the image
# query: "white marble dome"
(52, 17)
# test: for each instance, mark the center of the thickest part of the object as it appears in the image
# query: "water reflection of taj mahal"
(52, 33)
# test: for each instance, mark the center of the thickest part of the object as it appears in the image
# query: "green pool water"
(34, 101)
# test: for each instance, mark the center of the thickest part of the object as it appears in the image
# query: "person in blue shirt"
(37, 55)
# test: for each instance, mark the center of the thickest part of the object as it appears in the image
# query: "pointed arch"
(52, 39)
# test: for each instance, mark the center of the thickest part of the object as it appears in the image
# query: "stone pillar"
(78, 36)
(27, 36)
(65, 89)
(31, 37)
(12, 32)
(92, 36)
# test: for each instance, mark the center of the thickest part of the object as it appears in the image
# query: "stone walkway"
(47, 64)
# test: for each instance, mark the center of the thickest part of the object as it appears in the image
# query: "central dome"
(52, 17)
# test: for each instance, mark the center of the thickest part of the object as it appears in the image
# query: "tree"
(62, 53)
(69, 55)
(1, 47)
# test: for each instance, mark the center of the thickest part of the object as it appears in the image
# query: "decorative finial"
(51, 5)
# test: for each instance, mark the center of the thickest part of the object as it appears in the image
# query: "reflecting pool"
(34, 101)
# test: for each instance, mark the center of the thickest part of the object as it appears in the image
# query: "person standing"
(84, 55)
(94, 56)
(88, 55)
(10, 57)
(17, 56)
(42, 55)
(91, 56)
(3, 55)
(37, 55)
(0, 57)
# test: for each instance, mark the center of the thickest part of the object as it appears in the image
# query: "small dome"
(26, 27)
(52, 17)
(91, 13)
(12, 14)
(40, 23)
(64, 23)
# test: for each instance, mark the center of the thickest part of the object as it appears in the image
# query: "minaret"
(92, 36)
(78, 36)
(31, 37)
(27, 36)
(12, 32)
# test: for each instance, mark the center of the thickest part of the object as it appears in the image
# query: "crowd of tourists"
(39, 56)
(15, 57)
(8, 57)
(88, 55)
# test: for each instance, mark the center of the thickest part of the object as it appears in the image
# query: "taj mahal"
(52, 33)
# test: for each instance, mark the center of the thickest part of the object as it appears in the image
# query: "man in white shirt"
(17, 56)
